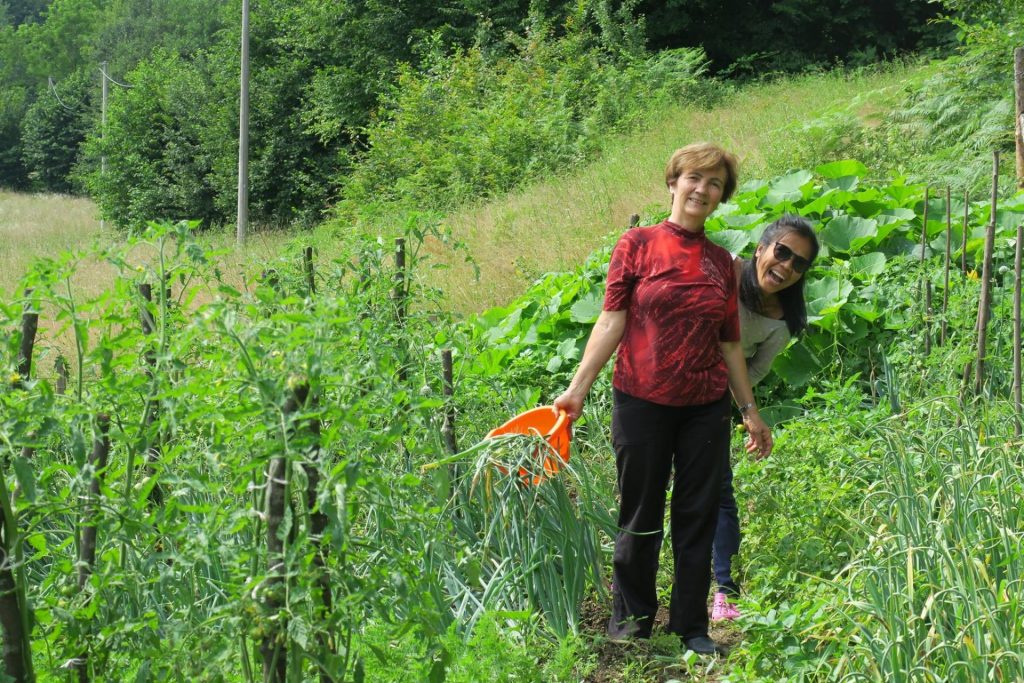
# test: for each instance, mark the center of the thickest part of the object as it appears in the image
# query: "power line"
(53, 91)
(103, 70)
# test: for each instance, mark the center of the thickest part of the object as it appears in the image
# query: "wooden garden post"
(15, 620)
(90, 519)
(945, 269)
(29, 326)
(60, 366)
(152, 409)
(1018, 83)
(986, 277)
(274, 646)
(307, 266)
(1018, 405)
(448, 425)
(963, 236)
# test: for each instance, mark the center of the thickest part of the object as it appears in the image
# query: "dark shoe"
(703, 645)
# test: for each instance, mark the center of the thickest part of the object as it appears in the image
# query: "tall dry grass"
(550, 225)
(553, 225)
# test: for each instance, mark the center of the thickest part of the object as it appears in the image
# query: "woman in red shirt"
(671, 310)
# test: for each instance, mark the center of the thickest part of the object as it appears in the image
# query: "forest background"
(379, 120)
(361, 104)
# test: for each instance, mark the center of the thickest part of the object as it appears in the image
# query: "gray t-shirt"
(762, 339)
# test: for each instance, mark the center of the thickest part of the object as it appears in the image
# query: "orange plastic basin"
(543, 422)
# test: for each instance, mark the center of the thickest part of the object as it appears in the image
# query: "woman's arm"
(604, 338)
(760, 435)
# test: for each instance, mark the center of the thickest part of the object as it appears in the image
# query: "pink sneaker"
(723, 609)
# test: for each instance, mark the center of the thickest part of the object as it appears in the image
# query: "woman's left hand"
(760, 440)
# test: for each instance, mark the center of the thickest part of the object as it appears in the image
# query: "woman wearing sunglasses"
(772, 310)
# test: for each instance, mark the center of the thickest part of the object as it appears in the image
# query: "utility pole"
(243, 132)
(103, 125)
(1018, 81)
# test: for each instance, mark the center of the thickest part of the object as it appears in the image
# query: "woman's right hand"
(571, 403)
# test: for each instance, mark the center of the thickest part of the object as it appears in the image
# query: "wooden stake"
(308, 435)
(945, 270)
(984, 302)
(1019, 405)
(924, 224)
(307, 266)
(963, 237)
(398, 294)
(29, 326)
(90, 518)
(151, 441)
(15, 620)
(927, 317)
(61, 367)
(448, 425)
(274, 645)
(924, 246)
(1018, 83)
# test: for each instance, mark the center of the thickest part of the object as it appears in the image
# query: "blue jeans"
(727, 536)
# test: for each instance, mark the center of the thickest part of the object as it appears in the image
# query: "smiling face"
(695, 195)
(775, 274)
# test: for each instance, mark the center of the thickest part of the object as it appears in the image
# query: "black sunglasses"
(784, 253)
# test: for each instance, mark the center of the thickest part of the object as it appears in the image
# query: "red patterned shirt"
(679, 292)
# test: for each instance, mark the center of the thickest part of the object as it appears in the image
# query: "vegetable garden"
(262, 478)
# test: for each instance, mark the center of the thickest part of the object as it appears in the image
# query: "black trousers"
(651, 441)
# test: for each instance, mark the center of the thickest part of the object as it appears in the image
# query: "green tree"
(53, 131)
(158, 165)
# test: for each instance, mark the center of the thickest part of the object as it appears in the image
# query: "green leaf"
(848, 233)
(796, 365)
(862, 310)
(841, 169)
(788, 188)
(731, 240)
(26, 477)
(868, 264)
(586, 309)
(824, 299)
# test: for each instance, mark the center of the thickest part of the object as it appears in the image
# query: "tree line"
(333, 79)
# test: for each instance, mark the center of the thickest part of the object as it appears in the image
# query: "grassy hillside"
(550, 225)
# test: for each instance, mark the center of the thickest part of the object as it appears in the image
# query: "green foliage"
(380, 545)
(750, 39)
(158, 161)
(53, 131)
(467, 126)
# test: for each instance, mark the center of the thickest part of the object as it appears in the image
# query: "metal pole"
(103, 124)
(243, 132)
(1018, 82)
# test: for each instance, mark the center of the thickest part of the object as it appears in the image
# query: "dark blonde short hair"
(701, 156)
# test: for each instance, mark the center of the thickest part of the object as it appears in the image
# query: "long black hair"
(794, 310)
